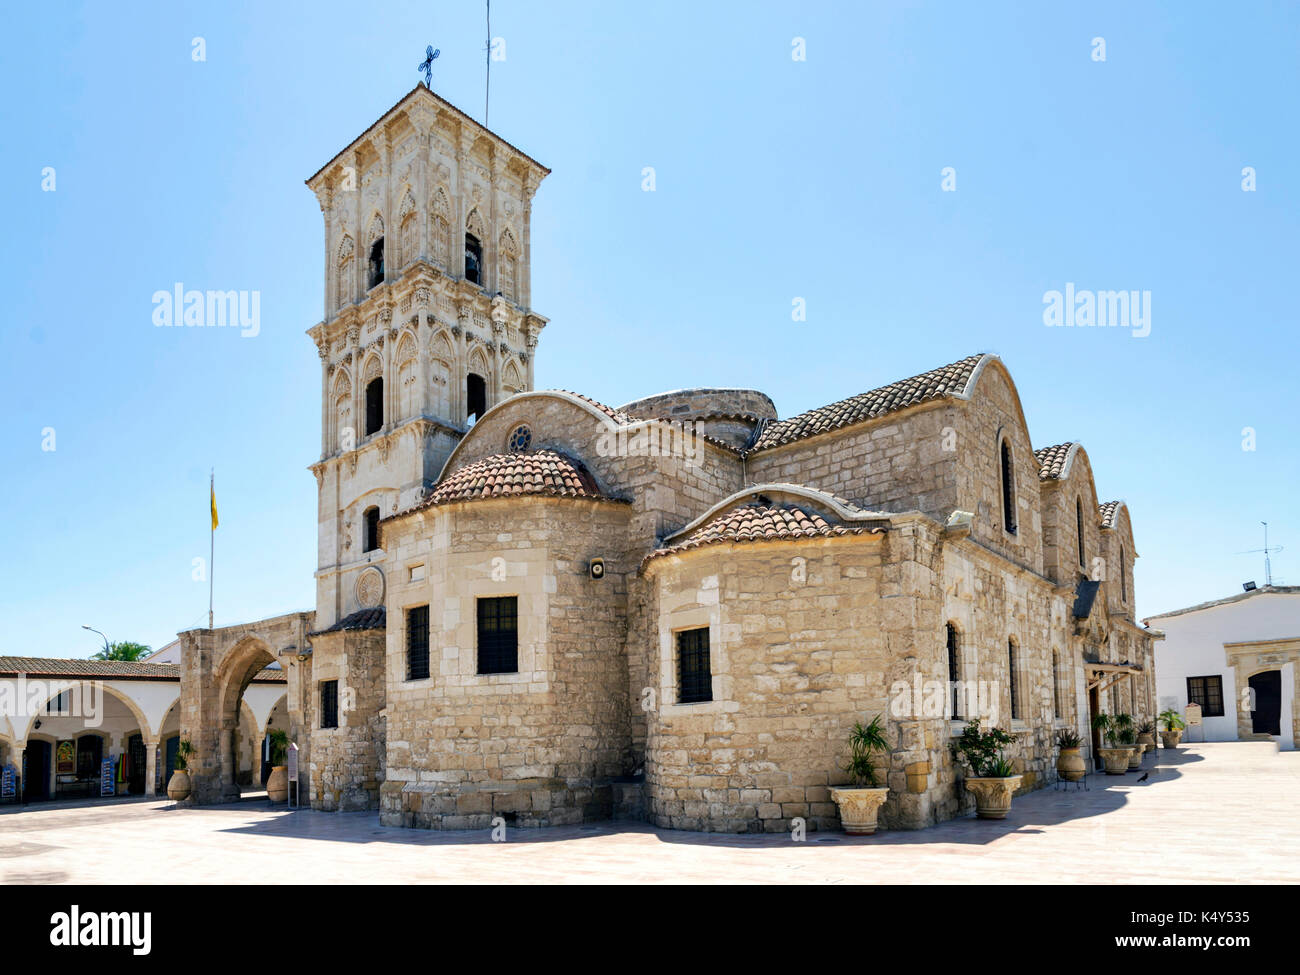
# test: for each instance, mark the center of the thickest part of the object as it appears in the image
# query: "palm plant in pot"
(1173, 725)
(1070, 765)
(277, 786)
(860, 801)
(1126, 733)
(179, 785)
(993, 779)
(1115, 752)
(1147, 735)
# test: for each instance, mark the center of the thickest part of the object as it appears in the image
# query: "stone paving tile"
(1212, 813)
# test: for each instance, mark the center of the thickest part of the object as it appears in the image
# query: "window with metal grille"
(694, 671)
(954, 671)
(329, 704)
(1208, 693)
(417, 643)
(498, 635)
(473, 259)
(1078, 524)
(374, 405)
(1056, 684)
(1011, 679)
(1008, 490)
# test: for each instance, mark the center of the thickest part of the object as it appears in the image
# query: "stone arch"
(344, 433)
(508, 266)
(375, 229)
(513, 382)
(343, 271)
(241, 663)
(408, 384)
(118, 695)
(408, 230)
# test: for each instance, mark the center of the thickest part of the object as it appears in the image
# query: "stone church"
(534, 606)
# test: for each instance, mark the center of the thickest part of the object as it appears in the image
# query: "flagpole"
(212, 538)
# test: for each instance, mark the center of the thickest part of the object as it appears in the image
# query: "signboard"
(65, 757)
(106, 777)
(1193, 715)
(7, 788)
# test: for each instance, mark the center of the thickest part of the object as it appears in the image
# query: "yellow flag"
(214, 507)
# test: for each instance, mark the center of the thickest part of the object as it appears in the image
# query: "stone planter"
(993, 795)
(1134, 756)
(277, 786)
(1116, 760)
(178, 786)
(1170, 739)
(859, 808)
(1148, 743)
(1070, 765)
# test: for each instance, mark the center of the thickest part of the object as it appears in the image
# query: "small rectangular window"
(694, 672)
(1012, 682)
(1208, 693)
(417, 643)
(329, 704)
(416, 573)
(498, 635)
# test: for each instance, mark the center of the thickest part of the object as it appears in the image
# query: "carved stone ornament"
(370, 588)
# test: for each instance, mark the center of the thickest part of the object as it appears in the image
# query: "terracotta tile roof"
(362, 619)
(1051, 461)
(106, 669)
(759, 522)
(537, 472)
(936, 384)
(1108, 512)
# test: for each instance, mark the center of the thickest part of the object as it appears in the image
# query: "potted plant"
(178, 786)
(1070, 765)
(277, 786)
(993, 779)
(860, 802)
(1147, 735)
(1126, 735)
(1174, 725)
(1115, 754)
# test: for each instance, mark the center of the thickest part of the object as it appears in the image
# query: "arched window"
(376, 262)
(475, 396)
(343, 278)
(441, 229)
(374, 405)
(473, 259)
(954, 672)
(1012, 682)
(372, 529)
(1078, 524)
(1008, 489)
(507, 277)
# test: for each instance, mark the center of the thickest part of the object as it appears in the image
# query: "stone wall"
(538, 747)
(348, 762)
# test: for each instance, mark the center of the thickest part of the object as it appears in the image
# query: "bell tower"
(428, 320)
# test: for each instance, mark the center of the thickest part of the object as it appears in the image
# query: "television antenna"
(1267, 549)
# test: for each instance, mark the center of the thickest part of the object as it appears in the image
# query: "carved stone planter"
(1170, 739)
(1134, 756)
(1070, 765)
(1148, 743)
(277, 785)
(178, 786)
(859, 808)
(1116, 760)
(993, 795)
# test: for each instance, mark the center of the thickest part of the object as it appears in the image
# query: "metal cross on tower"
(427, 65)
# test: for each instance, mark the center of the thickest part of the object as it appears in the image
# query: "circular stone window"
(370, 588)
(520, 439)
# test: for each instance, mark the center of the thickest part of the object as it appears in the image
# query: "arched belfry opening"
(376, 264)
(475, 396)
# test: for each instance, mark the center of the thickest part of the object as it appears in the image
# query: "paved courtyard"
(1209, 813)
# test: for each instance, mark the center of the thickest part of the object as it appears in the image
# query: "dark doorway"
(376, 262)
(1266, 688)
(135, 759)
(90, 752)
(36, 771)
(374, 405)
(473, 259)
(475, 395)
(1094, 709)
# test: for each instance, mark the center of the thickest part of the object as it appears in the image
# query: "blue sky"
(775, 179)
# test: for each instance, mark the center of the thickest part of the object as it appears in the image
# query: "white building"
(62, 719)
(1239, 658)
